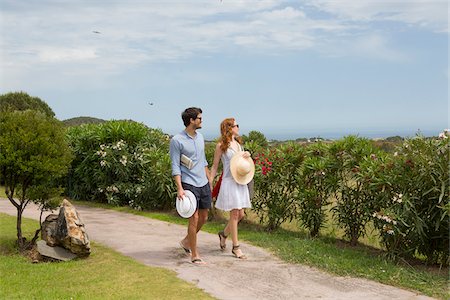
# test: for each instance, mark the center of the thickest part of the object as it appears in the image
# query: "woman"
(233, 197)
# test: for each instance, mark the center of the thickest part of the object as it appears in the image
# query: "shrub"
(116, 163)
(354, 206)
(412, 192)
(275, 187)
(314, 191)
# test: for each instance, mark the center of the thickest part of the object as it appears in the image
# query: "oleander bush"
(120, 162)
(314, 188)
(411, 189)
(275, 196)
(354, 204)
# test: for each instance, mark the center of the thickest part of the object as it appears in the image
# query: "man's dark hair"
(190, 113)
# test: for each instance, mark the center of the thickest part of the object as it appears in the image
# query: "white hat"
(188, 205)
(242, 169)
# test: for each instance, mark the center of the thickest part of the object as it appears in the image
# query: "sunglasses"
(237, 125)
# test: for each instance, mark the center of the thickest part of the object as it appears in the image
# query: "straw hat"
(188, 205)
(242, 169)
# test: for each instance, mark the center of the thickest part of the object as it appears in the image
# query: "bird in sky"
(97, 32)
(150, 103)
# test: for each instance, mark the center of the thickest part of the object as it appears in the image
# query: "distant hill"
(82, 120)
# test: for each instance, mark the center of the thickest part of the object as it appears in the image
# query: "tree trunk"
(20, 240)
(354, 240)
(36, 236)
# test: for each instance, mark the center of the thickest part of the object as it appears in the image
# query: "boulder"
(70, 231)
(48, 232)
(66, 230)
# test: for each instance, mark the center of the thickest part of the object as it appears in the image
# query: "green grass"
(326, 253)
(105, 274)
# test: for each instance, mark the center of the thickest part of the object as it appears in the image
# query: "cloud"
(369, 46)
(51, 34)
(428, 14)
(65, 54)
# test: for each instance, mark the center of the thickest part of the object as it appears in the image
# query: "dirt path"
(262, 276)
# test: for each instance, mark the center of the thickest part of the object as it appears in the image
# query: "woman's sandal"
(222, 240)
(242, 256)
(198, 261)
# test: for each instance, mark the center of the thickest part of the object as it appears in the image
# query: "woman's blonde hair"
(226, 134)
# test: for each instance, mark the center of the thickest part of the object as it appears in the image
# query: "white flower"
(390, 231)
(101, 153)
(398, 198)
(123, 160)
(444, 134)
(103, 163)
(395, 153)
(112, 188)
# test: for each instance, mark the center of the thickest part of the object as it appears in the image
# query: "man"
(193, 177)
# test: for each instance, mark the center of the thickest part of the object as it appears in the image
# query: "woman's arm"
(217, 155)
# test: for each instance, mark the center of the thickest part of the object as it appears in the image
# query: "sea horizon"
(335, 135)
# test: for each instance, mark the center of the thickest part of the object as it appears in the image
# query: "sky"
(288, 69)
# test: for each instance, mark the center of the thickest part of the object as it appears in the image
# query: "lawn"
(104, 275)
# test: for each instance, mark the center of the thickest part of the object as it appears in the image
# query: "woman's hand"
(246, 154)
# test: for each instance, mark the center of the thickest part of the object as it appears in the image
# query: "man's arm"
(175, 156)
(180, 190)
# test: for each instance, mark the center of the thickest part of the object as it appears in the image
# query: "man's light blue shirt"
(194, 148)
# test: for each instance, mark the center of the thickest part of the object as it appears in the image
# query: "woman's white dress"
(232, 195)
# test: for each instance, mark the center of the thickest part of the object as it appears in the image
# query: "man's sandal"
(234, 250)
(186, 250)
(222, 240)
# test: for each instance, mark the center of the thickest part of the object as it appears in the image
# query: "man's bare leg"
(202, 218)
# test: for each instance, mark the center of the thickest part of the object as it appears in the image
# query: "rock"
(55, 252)
(70, 230)
(66, 230)
(48, 232)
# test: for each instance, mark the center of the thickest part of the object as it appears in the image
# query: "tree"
(33, 156)
(22, 101)
(256, 137)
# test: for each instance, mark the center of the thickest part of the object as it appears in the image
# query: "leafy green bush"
(314, 190)
(275, 187)
(354, 206)
(159, 189)
(121, 162)
(411, 188)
